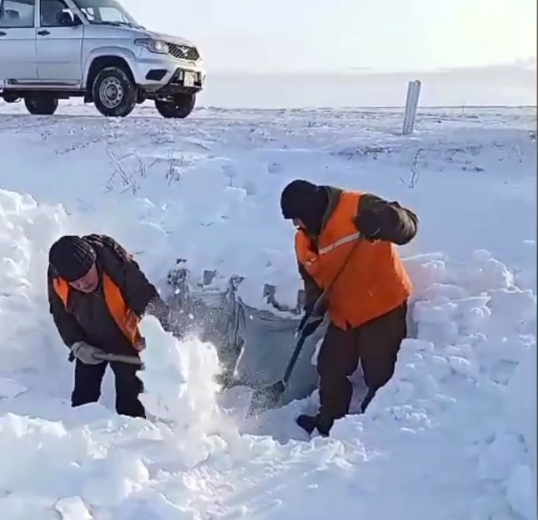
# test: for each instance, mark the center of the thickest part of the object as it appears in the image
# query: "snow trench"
(461, 402)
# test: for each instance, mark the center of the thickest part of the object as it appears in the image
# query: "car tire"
(177, 108)
(114, 92)
(10, 97)
(41, 105)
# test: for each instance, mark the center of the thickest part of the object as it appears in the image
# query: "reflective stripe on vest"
(337, 243)
(125, 319)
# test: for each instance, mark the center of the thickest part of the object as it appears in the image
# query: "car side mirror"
(66, 19)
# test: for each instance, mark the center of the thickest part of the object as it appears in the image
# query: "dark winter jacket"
(87, 316)
(398, 225)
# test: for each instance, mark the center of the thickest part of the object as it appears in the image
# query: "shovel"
(270, 396)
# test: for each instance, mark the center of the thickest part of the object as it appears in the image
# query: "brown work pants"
(375, 344)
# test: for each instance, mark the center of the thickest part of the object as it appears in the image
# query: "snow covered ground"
(510, 84)
(452, 436)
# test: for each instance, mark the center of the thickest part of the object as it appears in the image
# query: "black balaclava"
(306, 201)
(72, 257)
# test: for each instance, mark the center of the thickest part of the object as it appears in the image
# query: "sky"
(332, 35)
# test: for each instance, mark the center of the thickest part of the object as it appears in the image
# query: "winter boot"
(309, 423)
(368, 399)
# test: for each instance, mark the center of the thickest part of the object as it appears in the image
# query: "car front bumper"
(167, 75)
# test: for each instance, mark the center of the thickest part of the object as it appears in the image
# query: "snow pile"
(472, 371)
(28, 340)
(178, 378)
(519, 431)
(53, 466)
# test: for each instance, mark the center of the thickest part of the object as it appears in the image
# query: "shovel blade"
(264, 399)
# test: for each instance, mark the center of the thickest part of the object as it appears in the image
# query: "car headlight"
(157, 46)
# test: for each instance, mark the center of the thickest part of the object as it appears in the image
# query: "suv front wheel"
(41, 105)
(179, 107)
(114, 92)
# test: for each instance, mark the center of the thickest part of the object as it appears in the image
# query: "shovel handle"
(314, 312)
(118, 358)
(293, 359)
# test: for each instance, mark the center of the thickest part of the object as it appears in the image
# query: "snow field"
(451, 436)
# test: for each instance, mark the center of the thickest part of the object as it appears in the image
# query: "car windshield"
(108, 12)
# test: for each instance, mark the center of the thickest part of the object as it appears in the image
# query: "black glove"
(308, 325)
(369, 223)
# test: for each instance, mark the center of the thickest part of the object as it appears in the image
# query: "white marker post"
(411, 105)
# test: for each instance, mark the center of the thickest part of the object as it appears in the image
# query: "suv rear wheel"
(179, 107)
(41, 104)
(114, 92)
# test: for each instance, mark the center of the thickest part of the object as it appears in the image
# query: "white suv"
(57, 49)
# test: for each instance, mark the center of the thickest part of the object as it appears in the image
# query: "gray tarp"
(257, 343)
(269, 343)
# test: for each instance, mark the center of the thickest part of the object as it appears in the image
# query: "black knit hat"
(297, 199)
(305, 201)
(72, 257)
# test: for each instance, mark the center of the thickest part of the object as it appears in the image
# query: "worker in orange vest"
(97, 295)
(346, 241)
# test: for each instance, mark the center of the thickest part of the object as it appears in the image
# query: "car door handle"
(43, 33)
(2, 33)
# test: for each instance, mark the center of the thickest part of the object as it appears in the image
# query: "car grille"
(183, 52)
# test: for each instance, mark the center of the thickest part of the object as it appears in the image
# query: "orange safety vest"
(374, 280)
(124, 317)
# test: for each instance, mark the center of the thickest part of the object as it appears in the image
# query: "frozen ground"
(452, 436)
